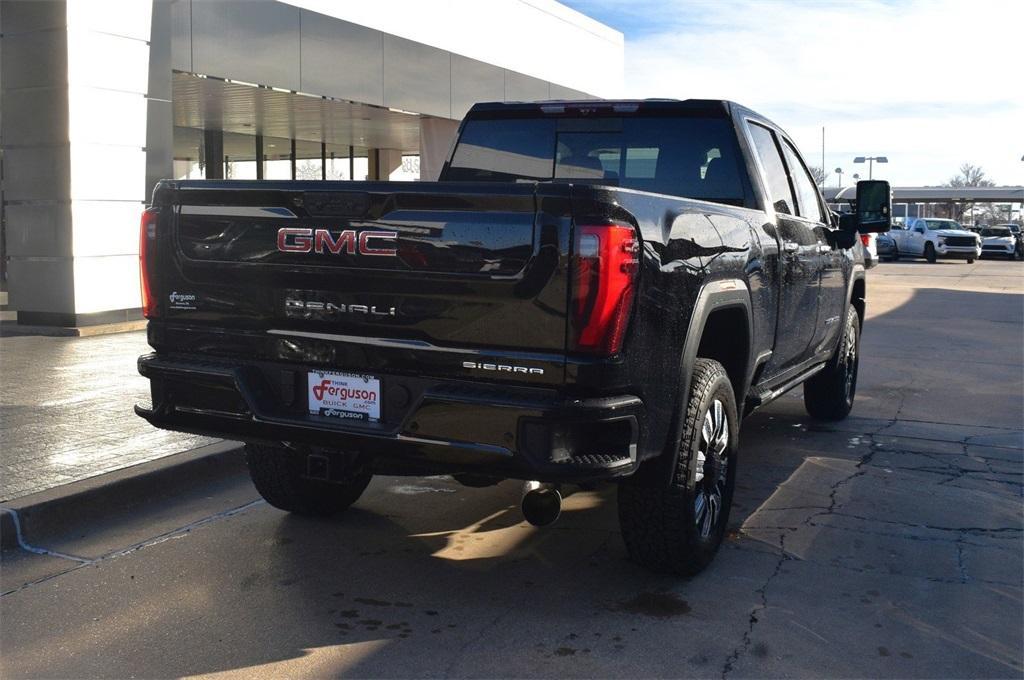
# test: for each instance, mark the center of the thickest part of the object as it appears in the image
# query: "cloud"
(930, 83)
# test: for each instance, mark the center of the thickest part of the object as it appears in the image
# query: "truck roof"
(711, 107)
(620, 105)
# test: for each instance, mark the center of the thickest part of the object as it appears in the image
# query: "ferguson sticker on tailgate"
(344, 396)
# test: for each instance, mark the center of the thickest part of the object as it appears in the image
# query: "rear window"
(942, 224)
(679, 156)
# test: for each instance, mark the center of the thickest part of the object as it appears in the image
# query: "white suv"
(932, 238)
(998, 240)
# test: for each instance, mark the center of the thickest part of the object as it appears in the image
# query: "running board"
(762, 397)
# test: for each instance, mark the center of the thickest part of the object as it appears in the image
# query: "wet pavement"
(66, 411)
(888, 545)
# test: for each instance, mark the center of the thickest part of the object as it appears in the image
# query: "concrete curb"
(120, 491)
(12, 329)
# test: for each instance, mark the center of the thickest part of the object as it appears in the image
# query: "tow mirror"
(874, 206)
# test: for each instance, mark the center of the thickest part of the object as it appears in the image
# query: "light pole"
(871, 162)
(839, 171)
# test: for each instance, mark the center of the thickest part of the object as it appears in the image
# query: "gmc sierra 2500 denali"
(592, 291)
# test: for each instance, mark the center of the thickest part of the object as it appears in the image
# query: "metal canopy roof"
(939, 194)
(213, 104)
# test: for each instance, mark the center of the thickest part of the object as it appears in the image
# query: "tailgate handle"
(336, 203)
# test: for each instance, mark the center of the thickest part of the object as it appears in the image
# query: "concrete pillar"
(74, 143)
(436, 138)
(159, 110)
(390, 160)
(213, 153)
(383, 162)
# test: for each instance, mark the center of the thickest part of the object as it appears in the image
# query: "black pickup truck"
(591, 291)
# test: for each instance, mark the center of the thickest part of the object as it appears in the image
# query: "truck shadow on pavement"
(427, 577)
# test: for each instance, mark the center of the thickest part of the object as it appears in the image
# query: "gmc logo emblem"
(304, 240)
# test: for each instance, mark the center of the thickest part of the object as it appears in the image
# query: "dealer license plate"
(344, 396)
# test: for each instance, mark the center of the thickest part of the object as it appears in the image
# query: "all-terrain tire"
(829, 394)
(929, 253)
(277, 474)
(676, 527)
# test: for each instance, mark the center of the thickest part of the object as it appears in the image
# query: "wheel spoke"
(709, 517)
(712, 468)
(699, 507)
(708, 431)
(723, 441)
(719, 418)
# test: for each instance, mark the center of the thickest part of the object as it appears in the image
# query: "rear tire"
(277, 474)
(929, 253)
(829, 394)
(678, 527)
(895, 254)
(970, 260)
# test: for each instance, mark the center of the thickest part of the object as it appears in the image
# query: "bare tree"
(970, 176)
(308, 169)
(818, 174)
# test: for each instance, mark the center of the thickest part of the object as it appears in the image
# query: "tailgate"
(426, 278)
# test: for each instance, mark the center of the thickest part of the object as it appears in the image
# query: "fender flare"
(858, 273)
(713, 296)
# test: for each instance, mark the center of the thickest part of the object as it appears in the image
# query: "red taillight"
(865, 239)
(605, 268)
(147, 243)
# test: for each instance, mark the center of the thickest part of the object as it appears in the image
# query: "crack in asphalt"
(961, 565)
(954, 472)
(973, 531)
(963, 576)
(908, 537)
(861, 468)
(746, 640)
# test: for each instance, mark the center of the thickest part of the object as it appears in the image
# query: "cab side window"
(775, 172)
(806, 193)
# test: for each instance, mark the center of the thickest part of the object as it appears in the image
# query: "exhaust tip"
(542, 504)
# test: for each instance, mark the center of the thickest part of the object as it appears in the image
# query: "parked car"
(594, 290)
(869, 242)
(1018, 235)
(998, 241)
(933, 238)
(885, 246)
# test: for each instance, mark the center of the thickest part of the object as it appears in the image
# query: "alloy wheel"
(850, 363)
(712, 469)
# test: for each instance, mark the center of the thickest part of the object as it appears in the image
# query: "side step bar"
(761, 397)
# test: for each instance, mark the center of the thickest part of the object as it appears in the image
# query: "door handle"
(790, 247)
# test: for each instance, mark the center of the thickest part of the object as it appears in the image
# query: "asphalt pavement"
(888, 545)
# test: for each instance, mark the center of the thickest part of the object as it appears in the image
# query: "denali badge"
(303, 240)
(309, 309)
(502, 368)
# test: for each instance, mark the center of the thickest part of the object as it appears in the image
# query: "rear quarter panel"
(686, 245)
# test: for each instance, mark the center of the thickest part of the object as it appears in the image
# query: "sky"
(930, 84)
